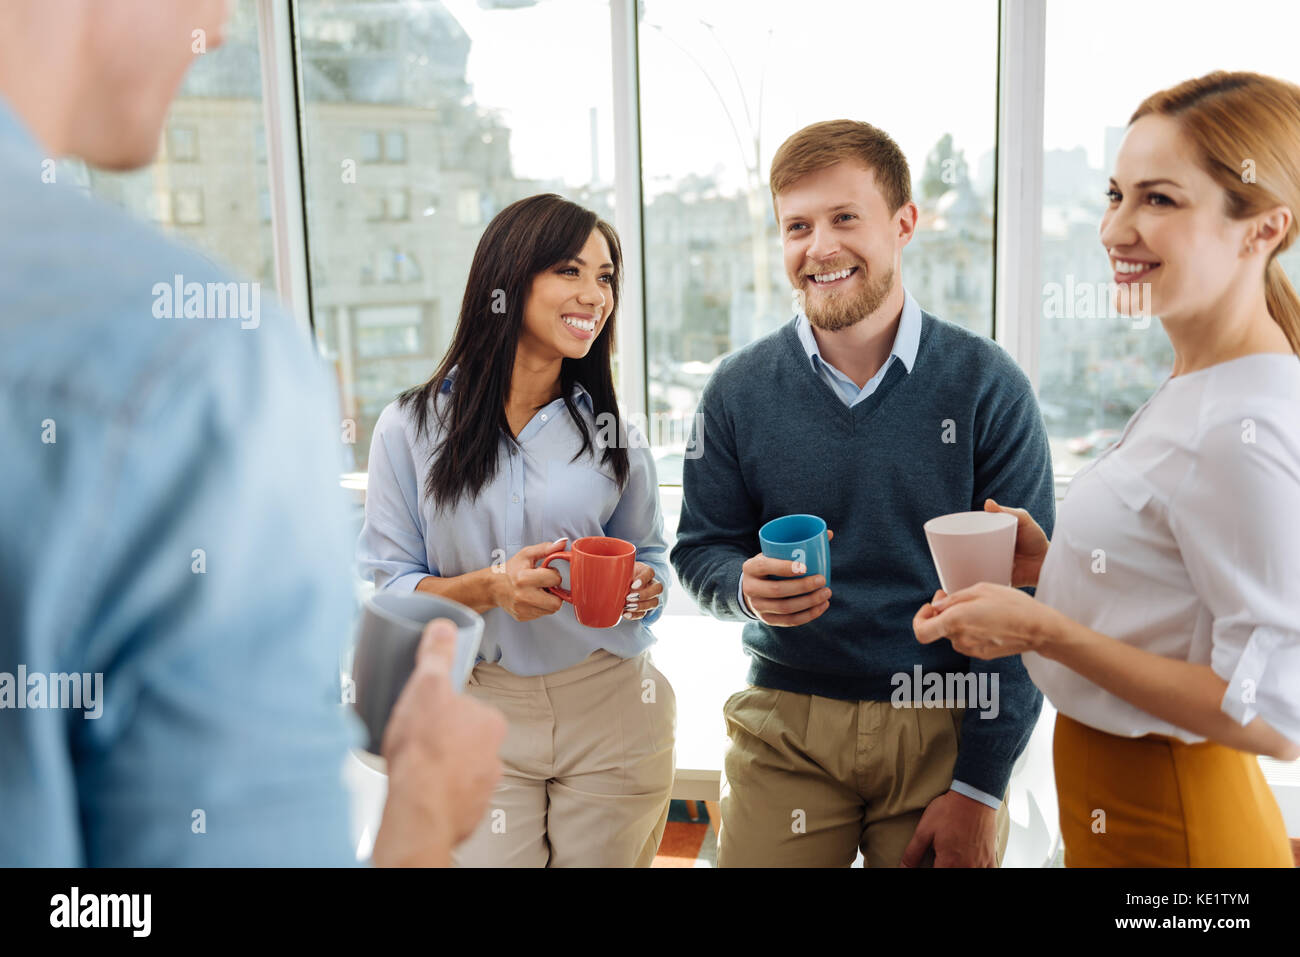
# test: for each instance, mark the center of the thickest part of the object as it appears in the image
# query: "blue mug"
(798, 538)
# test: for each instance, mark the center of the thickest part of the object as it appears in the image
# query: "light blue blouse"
(537, 495)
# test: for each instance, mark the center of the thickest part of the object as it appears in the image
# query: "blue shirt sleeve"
(391, 551)
(193, 552)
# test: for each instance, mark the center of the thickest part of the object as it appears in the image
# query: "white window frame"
(281, 106)
(632, 385)
(1017, 254)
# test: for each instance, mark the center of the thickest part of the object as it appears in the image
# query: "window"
(395, 147)
(158, 207)
(468, 208)
(1096, 367)
(493, 103)
(182, 144)
(398, 204)
(188, 207)
(715, 278)
(370, 150)
(220, 102)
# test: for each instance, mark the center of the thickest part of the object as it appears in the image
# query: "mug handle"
(556, 590)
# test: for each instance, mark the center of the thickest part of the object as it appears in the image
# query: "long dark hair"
(526, 238)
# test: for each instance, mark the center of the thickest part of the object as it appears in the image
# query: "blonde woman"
(1177, 661)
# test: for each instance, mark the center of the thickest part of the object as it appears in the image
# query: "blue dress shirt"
(537, 495)
(171, 520)
(904, 349)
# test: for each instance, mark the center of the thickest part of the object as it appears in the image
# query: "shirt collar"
(906, 340)
(579, 392)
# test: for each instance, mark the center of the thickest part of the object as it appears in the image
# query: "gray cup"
(387, 639)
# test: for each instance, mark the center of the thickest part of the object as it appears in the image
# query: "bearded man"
(876, 416)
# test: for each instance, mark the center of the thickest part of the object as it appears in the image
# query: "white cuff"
(975, 794)
(744, 602)
(1263, 681)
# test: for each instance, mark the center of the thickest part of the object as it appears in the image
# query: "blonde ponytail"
(1283, 302)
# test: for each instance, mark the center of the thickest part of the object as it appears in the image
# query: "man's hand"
(442, 753)
(962, 831)
(783, 604)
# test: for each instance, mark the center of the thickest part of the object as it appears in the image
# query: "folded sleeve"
(638, 519)
(1236, 518)
(391, 550)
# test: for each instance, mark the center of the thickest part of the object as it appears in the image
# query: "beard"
(833, 311)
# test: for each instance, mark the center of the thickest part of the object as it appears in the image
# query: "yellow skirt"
(1159, 802)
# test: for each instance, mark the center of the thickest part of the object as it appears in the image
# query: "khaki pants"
(810, 781)
(588, 766)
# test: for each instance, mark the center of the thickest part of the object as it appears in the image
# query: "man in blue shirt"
(173, 545)
(875, 416)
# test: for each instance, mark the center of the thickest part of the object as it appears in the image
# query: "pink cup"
(971, 547)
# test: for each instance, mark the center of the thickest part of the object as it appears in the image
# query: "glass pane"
(422, 120)
(208, 184)
(1096, 367)
(722, 86)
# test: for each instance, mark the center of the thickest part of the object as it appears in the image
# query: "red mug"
(600, 571)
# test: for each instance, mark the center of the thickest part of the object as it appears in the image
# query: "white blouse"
(1183, 539)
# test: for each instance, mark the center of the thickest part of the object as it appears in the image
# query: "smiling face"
(1167, 225)
(569, 304)
(841, 243)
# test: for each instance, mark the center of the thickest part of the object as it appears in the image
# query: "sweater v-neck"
(858, 414)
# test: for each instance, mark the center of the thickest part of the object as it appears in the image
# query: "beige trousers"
(810, 781)
(588, 762)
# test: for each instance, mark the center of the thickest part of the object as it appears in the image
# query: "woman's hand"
(987, 621)
(520, 589)
(643, 593)
(1031, 545)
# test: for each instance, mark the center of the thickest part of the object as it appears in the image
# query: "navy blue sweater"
(773, 439)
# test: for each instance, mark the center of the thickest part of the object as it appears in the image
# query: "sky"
(917, 70)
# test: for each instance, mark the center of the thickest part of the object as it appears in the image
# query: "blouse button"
(543, 416)
(515, 500)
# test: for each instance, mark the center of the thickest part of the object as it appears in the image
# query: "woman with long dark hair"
(1166, 624)
(513, 448)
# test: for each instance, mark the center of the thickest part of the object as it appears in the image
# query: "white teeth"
(586, 325)
(831, 276)
(1121, 266)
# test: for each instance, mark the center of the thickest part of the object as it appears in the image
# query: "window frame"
(1017, 190)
